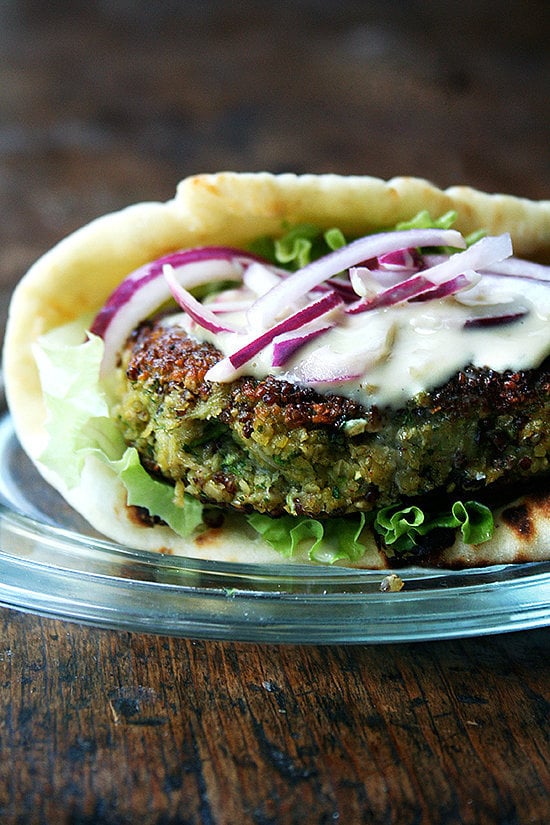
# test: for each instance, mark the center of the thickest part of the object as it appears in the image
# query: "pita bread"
(78, 274)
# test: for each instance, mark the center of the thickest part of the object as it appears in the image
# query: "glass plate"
(53, 564)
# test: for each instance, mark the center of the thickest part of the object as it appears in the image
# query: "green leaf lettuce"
(79, 424)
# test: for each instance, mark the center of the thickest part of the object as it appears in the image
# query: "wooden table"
(103, 108)
(112, 727)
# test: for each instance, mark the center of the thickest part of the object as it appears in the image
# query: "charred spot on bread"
(519, 519)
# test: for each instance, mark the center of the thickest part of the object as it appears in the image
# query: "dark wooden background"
(107, 103)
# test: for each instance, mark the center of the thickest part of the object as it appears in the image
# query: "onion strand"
(266, 306)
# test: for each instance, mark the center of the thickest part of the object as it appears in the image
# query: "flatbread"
(78, 274)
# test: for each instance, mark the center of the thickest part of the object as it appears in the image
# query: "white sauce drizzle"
(412, 347)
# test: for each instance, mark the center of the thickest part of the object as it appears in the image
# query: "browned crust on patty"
(273, 446)
(175, 361)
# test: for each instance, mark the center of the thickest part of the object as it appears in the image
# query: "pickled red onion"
(145, 290)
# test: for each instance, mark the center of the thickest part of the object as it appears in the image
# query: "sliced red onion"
(402, 259)
(197, 311)
(495, 320)
(228, 367)
(518, 268)
(370, 282)
(325, 366)
(234, 258)
(260, 278)
(234, 299)
(403, 291)
(342, 287)
(290, 290)
(464, 281)
(267, 294)
(480, 255)
(143, 291)
(225, 307)
(362, 281)
(431, 259)
(286, 345)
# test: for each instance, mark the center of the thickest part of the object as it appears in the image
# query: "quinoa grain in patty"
(275, 447)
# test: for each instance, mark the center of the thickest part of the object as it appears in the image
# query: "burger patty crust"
(275, 447)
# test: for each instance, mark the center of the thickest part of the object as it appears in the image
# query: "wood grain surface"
(104, 104)
(106, 727)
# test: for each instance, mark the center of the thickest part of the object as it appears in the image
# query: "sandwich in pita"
(294, 368)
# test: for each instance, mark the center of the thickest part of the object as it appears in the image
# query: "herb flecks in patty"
(274, 447)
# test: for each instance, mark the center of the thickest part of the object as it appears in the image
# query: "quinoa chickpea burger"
(303, 368)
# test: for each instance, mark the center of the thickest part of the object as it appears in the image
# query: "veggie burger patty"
(339, 370)
(276, 447)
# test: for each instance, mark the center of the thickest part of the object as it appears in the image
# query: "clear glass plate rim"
(67, 543)
(508, 597)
